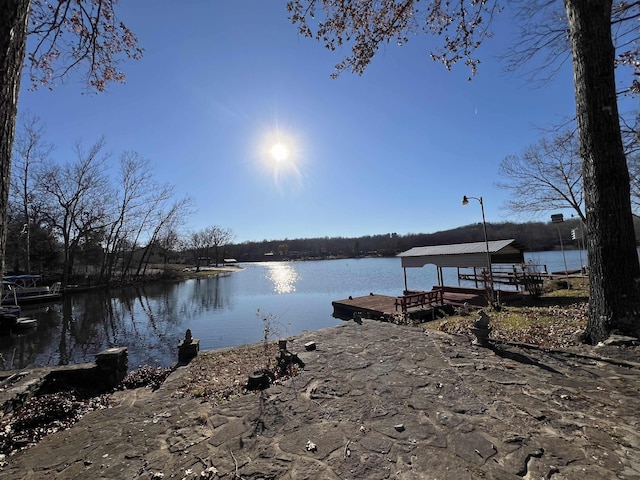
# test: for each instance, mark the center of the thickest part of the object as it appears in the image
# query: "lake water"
(220, 311)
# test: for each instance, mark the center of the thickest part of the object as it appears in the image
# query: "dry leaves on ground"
(219, 375)
(557, 326)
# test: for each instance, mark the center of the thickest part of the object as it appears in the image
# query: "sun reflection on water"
(283, 276)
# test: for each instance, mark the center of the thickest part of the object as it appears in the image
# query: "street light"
(465, 201)
(559, 218)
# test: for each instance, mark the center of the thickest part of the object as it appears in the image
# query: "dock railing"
(419, 299)
(527, 277)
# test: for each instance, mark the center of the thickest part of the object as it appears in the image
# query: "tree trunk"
(65, 264)
(614, 273)
(13, 39)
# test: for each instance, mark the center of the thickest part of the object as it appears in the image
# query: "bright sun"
(279, 152)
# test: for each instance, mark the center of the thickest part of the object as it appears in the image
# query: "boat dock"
(488, 264)
(369, 306)
(415, 304)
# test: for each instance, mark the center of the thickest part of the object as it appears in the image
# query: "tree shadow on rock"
(520, 358)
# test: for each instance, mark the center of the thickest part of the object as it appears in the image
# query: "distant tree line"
(534, 236)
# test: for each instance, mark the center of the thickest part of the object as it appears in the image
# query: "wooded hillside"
(535, 236)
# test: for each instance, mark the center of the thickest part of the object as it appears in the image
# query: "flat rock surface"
(375, 401)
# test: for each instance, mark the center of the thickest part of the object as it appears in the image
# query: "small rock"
(399, 427)
(513, 438)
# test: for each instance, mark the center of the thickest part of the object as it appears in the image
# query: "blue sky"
(393, 150)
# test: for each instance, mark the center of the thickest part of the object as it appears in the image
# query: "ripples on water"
(283, 276)
(220, 311)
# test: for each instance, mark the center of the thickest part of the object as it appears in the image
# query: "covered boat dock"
(476, 255)
(488, 265)
(491, 264)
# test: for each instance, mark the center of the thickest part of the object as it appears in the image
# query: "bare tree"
(218, 238)
(633, 160)
(614, 269)
(631, 134)
(164, 218)
(631, 139)
(13, 41)
(546, 176)
(67, 35)
(201, 243)
(544, 25)
(76, 191)
(138, 198)
(77, 33)
(30, 151)
(196, 243)
(168, 242)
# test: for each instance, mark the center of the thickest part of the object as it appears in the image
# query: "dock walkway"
(385, 306)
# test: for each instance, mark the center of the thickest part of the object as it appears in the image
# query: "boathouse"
(472, 261)
(462, 255)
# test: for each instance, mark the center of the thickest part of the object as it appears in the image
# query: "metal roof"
(464, 254)
(457, 248)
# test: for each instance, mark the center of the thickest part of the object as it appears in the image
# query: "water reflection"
(150, 320)
(283, 276)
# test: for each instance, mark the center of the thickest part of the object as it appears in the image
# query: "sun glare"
(279, 152)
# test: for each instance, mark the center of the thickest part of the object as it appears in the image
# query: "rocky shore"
(375, 400)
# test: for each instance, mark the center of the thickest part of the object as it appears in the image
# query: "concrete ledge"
(17, 386)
